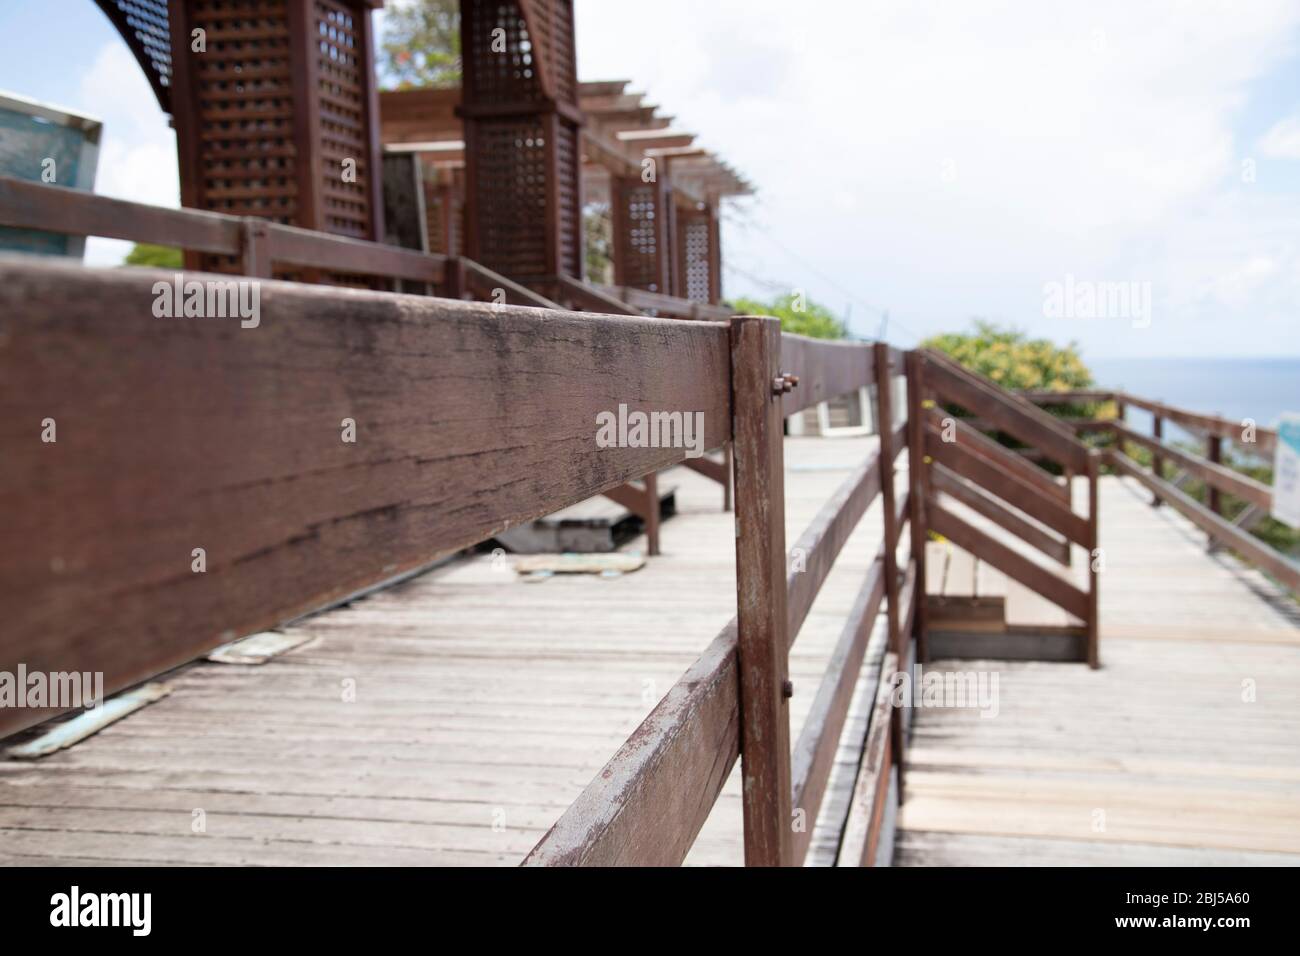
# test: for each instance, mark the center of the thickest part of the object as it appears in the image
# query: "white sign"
(1286, 472)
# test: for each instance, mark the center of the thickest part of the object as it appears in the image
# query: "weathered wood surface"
(177, 434)
(763, 641)
(825, 369)
(1186, 771)
(485, 705)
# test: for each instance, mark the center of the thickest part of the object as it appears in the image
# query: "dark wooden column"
(699, 255)
(522, 155)
(277, 117)
(643, 216)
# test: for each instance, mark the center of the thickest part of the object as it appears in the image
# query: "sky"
(935, 161)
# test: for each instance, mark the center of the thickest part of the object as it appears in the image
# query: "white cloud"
(137, 158)
(1095, 139)
(1282, 141)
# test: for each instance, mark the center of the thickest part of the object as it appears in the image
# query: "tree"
(1009, 357)
(421, 45)
(798, 315)
(161, 257)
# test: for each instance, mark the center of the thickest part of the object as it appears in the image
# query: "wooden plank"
(490, 286)
(591, 299)
(1224, 532)
(1007, 486)
(825, 370)
(980, 501)
(824, 538)
(999, 408)
(27, 205)
(885, 418)
(982, 446)
(306, 247)
(646, 807)
(204, 434)
(1218, 475)
(761, 590)
(820, 737)
(1037, 579)
(1265, 443)
(1093, 619)
(871, 789)
(918, 490)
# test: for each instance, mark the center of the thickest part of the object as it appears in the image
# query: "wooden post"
(761, 591)
(1157, 461)
(651, 482)
(730, 477)
(897, 641)
(256, 255)
(916, 498)
(1094, 580)
(1214, 452)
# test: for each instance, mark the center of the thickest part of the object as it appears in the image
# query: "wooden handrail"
(289, 515)
(1220, 530)
(825, 369)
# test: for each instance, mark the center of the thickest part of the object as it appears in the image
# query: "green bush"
(799, 315)
(161, 257)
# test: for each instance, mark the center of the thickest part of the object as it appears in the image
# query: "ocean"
(1260, 389)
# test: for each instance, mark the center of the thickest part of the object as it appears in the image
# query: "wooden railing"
(259, 246)
(199, 491)
(1218, 478)
(1006, 489)
(647, 805)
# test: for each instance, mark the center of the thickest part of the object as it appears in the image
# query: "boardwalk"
(485, 703)
(1160, 741)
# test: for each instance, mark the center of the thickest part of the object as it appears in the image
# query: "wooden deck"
(1155, 758)
(484, 703)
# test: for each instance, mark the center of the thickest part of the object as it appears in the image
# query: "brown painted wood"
(986, 448)
(26, 205)
(972, 496)
(306, 247)
(1224, 532)
(203, 434)
(1057, 590)
(998, 480)
(1093, 620)
(1265, 438)
(822, 541)
(487, 286)
(646, 807)
(998, 407)
(814, 752)
(761, 590)
(885, 426)
(825, 370)
(1214, 454)
(1218, 476)
(871, 789)
(917, 492)
(1158, 459)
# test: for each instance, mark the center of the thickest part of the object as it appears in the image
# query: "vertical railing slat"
(917, 493)
(761, 590)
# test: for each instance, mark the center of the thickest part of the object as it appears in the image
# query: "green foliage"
(598, 244)
(1013, 360)
(421, 44)
(162, 257)
(799, 315)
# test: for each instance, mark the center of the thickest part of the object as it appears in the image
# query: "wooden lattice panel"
(144, 26)
(511, 194)
(552, 22)
(640, 236)
(344, 135)
(245, 106)
(503, 69)
(569, 189)
(444, 204)
(695, 238)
